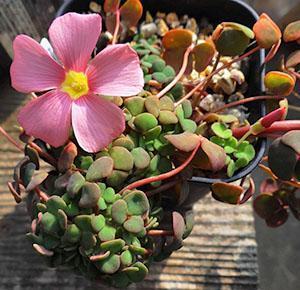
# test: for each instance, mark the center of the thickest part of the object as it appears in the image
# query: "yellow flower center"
(75, 84)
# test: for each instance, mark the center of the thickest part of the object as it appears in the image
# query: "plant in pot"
(125, 114)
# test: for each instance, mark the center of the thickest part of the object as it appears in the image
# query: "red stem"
(43, 154)
(42, 195)
(255, 49)
(180, 74)
(117, 28)
(160, 233)
(276, 127)
(11, 140)
(164, 176)
(247, 100)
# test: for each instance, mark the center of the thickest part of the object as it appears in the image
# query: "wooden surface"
(220, 254)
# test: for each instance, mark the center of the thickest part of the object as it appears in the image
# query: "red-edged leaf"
(131, 12)
(226, 192)
(184, 142)
(67, 157)
(267, 33)
(292, 32)
(174, 58)
(266, 205)
(293, 59)
(177, 38)
(279, 83)
(276, 115)
(249, 191)
(203, 54)
(178, 225)
(268, 186)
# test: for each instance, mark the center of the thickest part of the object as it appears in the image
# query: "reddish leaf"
(111, 6)
(293, 59)
(131, 12)
(67, 157)
(277, 219)
(203, 54)
(292, 139)
(178, 225)
(226, 192)
(279, 83)
(249, 192)
(184, 142)
(174, 58)
(36, 180)
(268, 186)
(177, 38)
(267, 33)
(266, 205)
(292, 32)
(275, 116)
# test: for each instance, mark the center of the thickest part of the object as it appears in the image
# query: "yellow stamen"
(75, 84)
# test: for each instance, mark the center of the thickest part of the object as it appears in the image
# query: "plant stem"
(11, 140)
(160, 233)
(162, 188)
(247, 100)
(180, 74)
(42, 195)
(279, 126)
(255, 49)
(43, 154)
(294, 108)
(269, 172)
(164, 176)
(295, 74)
(207, 81)
(117, 28)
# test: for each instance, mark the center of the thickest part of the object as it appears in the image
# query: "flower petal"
(96, 122)
(74, 37)
(48, 117)
(33, 69)
(116, 71)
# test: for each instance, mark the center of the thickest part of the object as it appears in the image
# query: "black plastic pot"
(215, 11)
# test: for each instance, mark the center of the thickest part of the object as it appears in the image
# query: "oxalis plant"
(110, 139)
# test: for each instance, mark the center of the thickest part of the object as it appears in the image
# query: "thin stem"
(11, 140)
(162, 188)
(294, 108)
(297, 75)
(180, 74)
(247, 100)
(117, 28)
(255, 49)
(279, 126)
(208, 79)
(42, 195)
(269, 172)
(43, 154)
(160, 233)
(164, 176)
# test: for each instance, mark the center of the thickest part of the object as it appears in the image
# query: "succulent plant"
(110, 212)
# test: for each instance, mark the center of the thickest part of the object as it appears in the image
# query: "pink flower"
(73, 85)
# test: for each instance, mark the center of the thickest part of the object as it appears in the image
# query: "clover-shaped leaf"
(221, 130)
(134, 224)
(210, 156)
(245, 150)
(292, 32)
(293, 59)
(270, 209)
(109, 265)
(131, 12)
(178, 225)
(137, 203)
(279, 83)
(184, 142)
(226, 192)
(267, 33)
(177, 38)
(101, 168)
(119, 211)
(231, 38)
(230, 145)
(203, 54)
